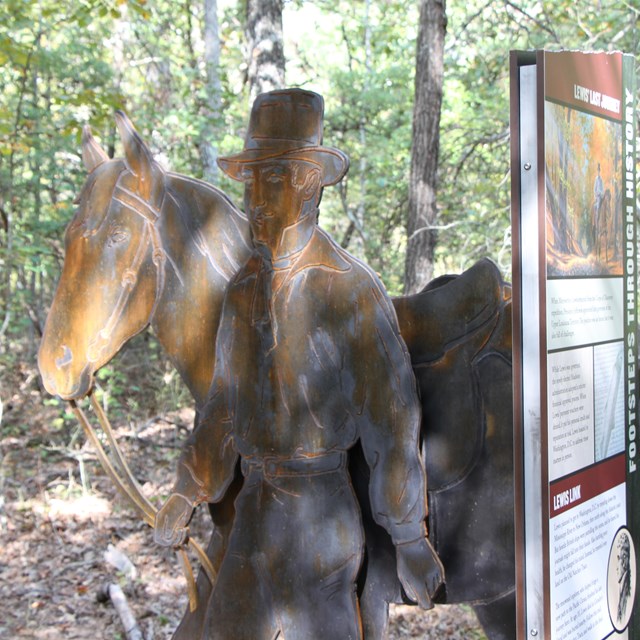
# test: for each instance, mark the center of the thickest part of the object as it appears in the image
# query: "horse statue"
(150, 248)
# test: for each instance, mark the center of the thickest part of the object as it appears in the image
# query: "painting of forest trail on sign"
(583, 192)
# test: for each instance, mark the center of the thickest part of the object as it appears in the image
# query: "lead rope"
(120, 474)
(129, 487)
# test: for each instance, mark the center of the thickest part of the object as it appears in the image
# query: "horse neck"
(206, 240)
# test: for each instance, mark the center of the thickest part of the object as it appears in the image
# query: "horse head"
(114, 266)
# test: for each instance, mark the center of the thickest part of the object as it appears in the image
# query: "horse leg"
(222, 515)
(377, 589)
(498, 618)
(378, 584)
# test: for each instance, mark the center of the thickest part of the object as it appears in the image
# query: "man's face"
(274, 195)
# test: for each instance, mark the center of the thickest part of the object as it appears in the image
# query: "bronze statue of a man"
(309, 360)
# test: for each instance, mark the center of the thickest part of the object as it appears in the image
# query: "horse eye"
(117, 235)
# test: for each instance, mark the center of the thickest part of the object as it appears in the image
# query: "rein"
(121, 476)
(120, 473)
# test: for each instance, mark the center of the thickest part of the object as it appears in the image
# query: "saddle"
(450, 328)
(458, 332)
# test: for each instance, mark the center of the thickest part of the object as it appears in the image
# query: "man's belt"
(276, 467)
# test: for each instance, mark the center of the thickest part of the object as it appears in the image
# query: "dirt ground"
(59, 513)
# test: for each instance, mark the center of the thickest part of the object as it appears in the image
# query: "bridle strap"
(133, 201)
(151, 214)
(150, 233)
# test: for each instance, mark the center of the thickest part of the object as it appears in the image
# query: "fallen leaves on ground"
(59, 513)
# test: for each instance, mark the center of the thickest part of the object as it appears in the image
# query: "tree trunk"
(212, 107)
(265, 46)
(421, 232)
(362, 130)
(35, 163)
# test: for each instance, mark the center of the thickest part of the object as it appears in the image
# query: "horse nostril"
(66, 359)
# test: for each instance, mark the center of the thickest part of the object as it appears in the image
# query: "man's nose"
(256, 198)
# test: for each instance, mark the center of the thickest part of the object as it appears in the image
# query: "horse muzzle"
(61, 378)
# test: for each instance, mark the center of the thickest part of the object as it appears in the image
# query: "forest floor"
(59, 513)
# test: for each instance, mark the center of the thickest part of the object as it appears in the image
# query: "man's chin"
(261, 236)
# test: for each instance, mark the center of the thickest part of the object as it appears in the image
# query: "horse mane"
(217, 228)
(205, 187)
(205, 240)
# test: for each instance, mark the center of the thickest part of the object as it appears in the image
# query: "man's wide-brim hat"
(287, 124)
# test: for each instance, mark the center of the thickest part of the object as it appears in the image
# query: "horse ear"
(92, 153)
(138, 158)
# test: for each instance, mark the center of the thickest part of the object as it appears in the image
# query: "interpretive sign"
(575, 353)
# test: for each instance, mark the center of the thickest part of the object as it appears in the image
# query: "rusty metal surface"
(458, 335)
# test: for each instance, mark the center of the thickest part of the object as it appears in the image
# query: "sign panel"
(575, 285)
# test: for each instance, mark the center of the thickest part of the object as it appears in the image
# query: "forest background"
(416, 93)
(187, 72)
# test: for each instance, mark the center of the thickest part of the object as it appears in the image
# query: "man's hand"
(420, 571)
(171, 521)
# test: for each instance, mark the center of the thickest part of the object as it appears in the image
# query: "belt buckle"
(247, 465)
(269, 467)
